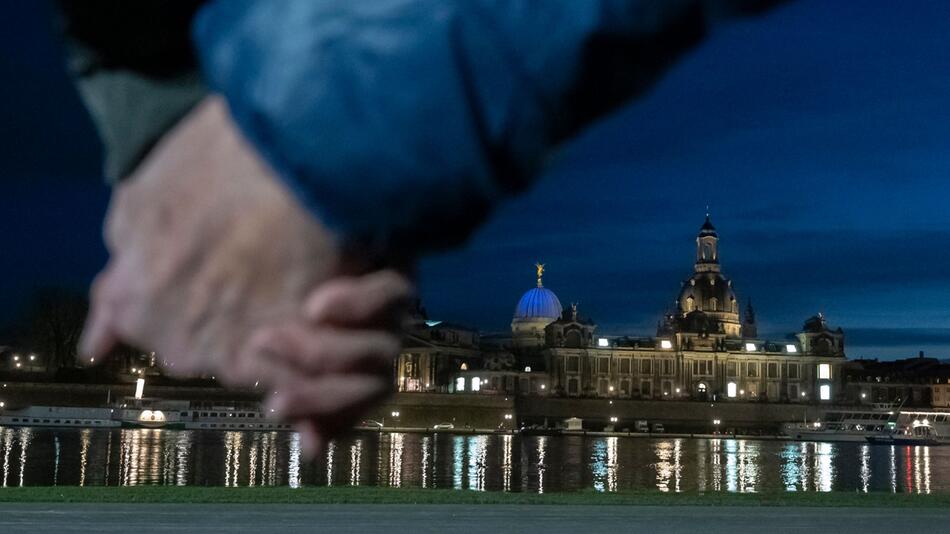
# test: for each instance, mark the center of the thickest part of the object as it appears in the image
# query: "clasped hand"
(216, 266)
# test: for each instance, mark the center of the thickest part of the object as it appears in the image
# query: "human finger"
(333, 396)
(378, 298)
(311, 441)
(99, 335)
(327, 350)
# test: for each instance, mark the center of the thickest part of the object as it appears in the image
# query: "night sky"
(818, 136)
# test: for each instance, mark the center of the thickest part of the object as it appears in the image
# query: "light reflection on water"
(32, 456)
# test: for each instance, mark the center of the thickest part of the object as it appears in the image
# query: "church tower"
(707, 303)
(707, 248)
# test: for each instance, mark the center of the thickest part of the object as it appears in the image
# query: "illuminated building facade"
(702, 350)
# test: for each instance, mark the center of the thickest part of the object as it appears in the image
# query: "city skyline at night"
(820, 153)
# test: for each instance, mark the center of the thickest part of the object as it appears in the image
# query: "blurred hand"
(338, 360)
(206, 248)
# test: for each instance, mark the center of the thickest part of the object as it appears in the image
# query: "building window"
(603, 366)
(573, 364)
(572, 386)
(752, 369)
(476, 384)
(645, 388)
(703, 367)
(731, 390)
(667, 388)
(602, 387)
(793, 371)
(625, 387)
(772, 370)
(824, 392)
(460, 383)
(732, 369)
(625, 366)
(701, 387)
(668, 367)
(793, 391)
(824, 371)
(646, 366)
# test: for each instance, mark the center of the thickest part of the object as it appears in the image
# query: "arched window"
(701, 387)
(690, 303)
(713, 304)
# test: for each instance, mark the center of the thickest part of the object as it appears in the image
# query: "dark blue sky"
(819, 136)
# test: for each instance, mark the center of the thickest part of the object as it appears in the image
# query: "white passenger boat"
(147, 413)
(59, 416)
(927, 428)
(230, 418)
(861, 425)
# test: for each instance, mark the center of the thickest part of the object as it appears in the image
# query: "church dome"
(538, 303)
(709, 292)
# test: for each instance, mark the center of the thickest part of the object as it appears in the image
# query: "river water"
(32, 456)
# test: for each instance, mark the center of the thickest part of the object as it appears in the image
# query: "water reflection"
(865, 456)
(605, 464)
(668, 467)
(475, 462)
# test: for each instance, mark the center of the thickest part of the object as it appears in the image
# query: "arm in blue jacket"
(402, 122)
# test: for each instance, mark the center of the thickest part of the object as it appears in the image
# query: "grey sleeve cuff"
(133, 111)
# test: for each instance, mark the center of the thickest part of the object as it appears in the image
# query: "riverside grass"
(377, 495)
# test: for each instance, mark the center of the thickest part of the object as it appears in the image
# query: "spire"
(540, 268)
(749, 328)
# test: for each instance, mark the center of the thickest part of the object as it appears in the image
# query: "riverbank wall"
(426, 410)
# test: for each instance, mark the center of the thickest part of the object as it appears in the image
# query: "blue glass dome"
(537, 303)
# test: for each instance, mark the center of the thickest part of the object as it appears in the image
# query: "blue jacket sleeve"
(400, 123)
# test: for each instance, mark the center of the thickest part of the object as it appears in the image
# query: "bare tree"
(52, 326)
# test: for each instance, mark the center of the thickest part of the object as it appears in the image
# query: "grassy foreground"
(370, 495)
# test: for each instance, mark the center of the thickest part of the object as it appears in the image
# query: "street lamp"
(716, 422)
(508, 417)
(394, 414)
(613, 419)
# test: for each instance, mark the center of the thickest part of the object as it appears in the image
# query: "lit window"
(750, 347)
(460, 384)
(666, 344)
(602, 342)
(824, 371)
(824, 392)
(731, 390)
(476, 384)
(791, 348)
(527, 369)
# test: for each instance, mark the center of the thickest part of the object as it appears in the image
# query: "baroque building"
(703, 349)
